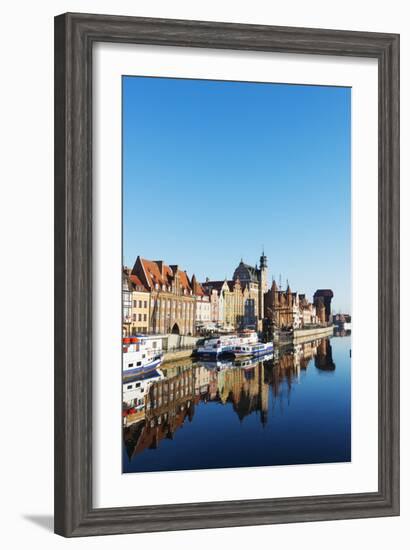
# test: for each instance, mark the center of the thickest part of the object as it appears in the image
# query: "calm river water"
(291, 408)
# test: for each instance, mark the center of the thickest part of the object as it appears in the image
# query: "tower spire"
(263, 260)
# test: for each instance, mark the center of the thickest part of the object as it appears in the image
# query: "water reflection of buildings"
(245, 389)
(324, 359)
(172, 400)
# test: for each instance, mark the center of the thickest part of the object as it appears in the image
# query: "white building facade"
(203, 309)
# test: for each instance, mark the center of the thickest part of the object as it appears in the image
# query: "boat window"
(138, 363)
(130, 365)
(129, 387)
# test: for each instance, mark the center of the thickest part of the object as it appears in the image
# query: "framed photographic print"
(226, 274)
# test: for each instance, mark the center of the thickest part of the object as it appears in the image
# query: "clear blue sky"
(213, 171)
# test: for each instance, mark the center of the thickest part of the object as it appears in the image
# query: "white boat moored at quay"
(140, 354)
(216, 346)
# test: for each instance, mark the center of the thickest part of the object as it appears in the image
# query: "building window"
(140, 303)
(135, 303)
(145, 316)
(139, 317)
(134, 317)
(145, 303)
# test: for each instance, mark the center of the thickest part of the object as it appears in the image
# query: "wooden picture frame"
(75, 35)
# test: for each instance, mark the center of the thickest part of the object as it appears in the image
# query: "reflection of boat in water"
(252, 350)
(134, 394)
(140, 354)
(244, 363)
(135, 389)
(221, 345)
(214, 364)
(251, 362)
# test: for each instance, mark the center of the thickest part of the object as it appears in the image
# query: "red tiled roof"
(160, 273)
(153, 273)
(198, 289)
(137, 283)
(136, 280)
(183, 279)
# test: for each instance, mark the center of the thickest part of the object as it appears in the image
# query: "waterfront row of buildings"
(167, 403)
(162, 299)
